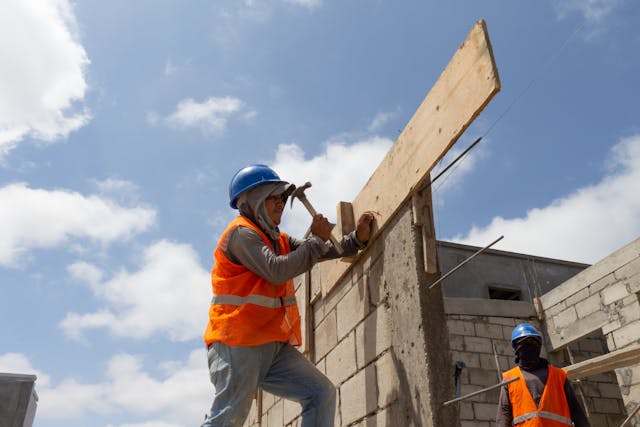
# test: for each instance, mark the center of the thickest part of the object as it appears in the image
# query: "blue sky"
(122, 122)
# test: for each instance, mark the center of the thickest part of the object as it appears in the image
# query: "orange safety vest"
(247, 310)
(553, 410)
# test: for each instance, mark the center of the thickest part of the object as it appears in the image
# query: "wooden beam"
(346, 223)
(464, 88)
(346, 220)
(422, 207)
(605, 363)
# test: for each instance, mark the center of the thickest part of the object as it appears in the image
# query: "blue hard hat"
(249, 177)
(524, 330)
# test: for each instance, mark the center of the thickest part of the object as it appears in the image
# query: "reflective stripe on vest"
(260, 300)
(542, 414)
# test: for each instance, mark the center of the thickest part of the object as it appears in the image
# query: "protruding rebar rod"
(484, 390)
(631, 415)
(461, 155)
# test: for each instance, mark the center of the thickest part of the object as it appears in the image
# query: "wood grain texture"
(464, 88)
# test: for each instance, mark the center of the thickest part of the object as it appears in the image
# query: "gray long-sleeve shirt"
(536, 381)
(245, 246)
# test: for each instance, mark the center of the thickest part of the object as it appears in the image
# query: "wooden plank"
(303, 289)
(464, 88)
(346, 220)
(346, 223)
(605, 363)
(422, 207)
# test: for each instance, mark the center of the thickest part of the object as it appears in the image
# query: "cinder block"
(291, 410)
(613, 293)
(482, 377)
(588, 306)
(326, 336)
(378, 290)
(456, 342)
(461, 327)
(337, 294)
(577, 297)
(353, 308)
(593, 346)
(275, 415)
(577, 330)
(488, 362)
(505, 321)
(341, 361)
(612, 325)
(609, 390)
(268, 400)
(485, 411)
(387, 378)
(553, 310)
(373, 336)
(382, 418)
(489, 330)
(358, 396)
(252, 419)
(628, 270)
(606, 406)
(627, 334)
(472, 360)
(566, 317)
(630, 313)
(602, 283)
(478, 344)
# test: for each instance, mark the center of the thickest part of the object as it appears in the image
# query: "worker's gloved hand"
(363, 228)
(321, 227)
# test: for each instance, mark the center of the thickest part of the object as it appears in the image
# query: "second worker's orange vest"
(247, 310)
(552, 411)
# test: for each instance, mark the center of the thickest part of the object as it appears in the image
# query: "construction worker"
(542, 396)
(253, 318)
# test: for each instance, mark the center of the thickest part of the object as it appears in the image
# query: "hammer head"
(298, 193)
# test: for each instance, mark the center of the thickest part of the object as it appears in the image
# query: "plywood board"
(464, 88)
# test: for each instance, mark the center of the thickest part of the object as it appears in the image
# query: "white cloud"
(179, 398)
(169, 294)
(380, 120)
(210, 115)
(586, 225)
(310, 4)
(43, 72)
(125, 192)
(337, 174)
(18, 363)
(36, 218)
(593, 10)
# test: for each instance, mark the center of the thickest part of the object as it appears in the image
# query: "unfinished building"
(398, 348)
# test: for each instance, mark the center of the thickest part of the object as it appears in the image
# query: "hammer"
(298, 193)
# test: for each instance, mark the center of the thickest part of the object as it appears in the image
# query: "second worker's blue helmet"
(249, 177)
(524, 330)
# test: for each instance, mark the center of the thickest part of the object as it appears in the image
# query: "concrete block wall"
(603, 298)
(380, 336)
(599, 394)
(478, 326)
